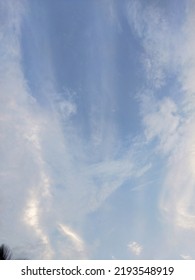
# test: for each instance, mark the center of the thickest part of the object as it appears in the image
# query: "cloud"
(178, 193)
(168, 113)
(135, 248)
(76, 240)
(149, 24)
(186, 257)
(18, 162)
(179, 189)
(162, 123)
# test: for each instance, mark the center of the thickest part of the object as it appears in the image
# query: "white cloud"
(185, 257)
(169, 122)
(135, 248)
(76, 240)
(18, 133)
(162, 123)
(150, 26)
(172, 123)
(179, 190)
(178, 193)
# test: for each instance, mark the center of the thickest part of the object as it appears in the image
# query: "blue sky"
(96, 129)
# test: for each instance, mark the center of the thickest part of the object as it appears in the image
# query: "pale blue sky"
(97, 128)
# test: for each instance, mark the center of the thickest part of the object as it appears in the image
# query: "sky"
(97, 146)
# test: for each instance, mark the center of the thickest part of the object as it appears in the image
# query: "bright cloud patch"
(135, 248)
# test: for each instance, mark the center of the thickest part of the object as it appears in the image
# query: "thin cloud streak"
(76, 240)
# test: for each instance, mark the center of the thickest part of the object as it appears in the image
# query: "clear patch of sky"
(68, 26)
(130, 77)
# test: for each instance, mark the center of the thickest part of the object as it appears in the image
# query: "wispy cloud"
(180, 190)
(162, 123)
(76, 240)
(186, 257)
(149, 23)
(169, 120)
